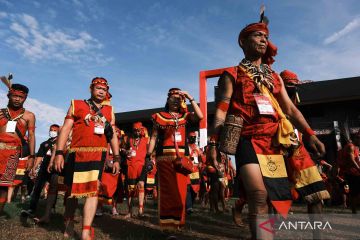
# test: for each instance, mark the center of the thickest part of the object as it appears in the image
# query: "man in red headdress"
(15, 121)
(254, 93)
(92, 123)
(136, 149)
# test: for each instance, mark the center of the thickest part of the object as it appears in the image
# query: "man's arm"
(298, 120)
(351, 155)
(114, 143)
(225, 91)
(198, 115)
(31, 139)
(61, 140)
(153, 139)
(39, 156)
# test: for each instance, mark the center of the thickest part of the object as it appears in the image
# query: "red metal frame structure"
(204, 75)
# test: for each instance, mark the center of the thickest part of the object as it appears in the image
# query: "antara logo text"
(304, 225)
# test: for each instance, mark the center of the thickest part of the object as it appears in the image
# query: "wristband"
(308, 132)
(193, 99)
(59, 152)
(32, 156)
(116, 158)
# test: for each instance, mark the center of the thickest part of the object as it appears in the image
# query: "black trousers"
(42, 178)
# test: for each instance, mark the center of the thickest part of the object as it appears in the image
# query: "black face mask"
(291, 91)
(192, 139)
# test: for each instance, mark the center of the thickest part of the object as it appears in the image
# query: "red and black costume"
(172, 185)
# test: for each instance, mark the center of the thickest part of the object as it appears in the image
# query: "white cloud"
(3, 14)
(19, 29)
(350, 27)
(37, 41)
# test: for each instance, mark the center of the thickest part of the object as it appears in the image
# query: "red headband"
(174, 92)
(137, 125)
(271, 50)
(289, 77)
(18, 92)
(100, 81)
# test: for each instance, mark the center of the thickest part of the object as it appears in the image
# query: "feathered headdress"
(7, 80)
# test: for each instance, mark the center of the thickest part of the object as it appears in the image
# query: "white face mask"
(53, 134)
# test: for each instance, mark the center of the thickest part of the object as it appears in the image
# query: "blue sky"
(145, 47)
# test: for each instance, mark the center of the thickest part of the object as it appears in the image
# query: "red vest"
(243, 103)
(140, 150)
(83, 135)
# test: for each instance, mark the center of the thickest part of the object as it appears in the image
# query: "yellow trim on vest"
(84, 177)
(20, 171)
(194, 175)
(150, 180)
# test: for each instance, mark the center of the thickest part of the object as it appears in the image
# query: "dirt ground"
(201, 224)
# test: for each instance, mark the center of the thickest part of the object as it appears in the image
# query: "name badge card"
(99, 129)
(48, 153)
(264, 105)
(11, 126)
(178, 137)
(196, 159)
(133, 153)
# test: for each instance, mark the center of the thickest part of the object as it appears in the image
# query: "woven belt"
(4, 146)
(88, 149)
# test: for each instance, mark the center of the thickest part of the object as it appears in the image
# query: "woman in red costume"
(170, 129)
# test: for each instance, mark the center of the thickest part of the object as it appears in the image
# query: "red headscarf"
(289, 77)
(176, 91)
(271, 50)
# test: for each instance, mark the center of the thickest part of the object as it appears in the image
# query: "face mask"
(53, 134)
(192, 139)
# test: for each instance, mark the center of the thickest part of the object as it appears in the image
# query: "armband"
(59, 152)
(224, 106)
(308, 132)
(69, 117)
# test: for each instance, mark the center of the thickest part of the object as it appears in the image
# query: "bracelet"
(59, 152)
(193, 99)
(31, 156)
(116, 158)
(308, 132)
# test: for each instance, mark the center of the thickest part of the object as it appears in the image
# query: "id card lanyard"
(11, 124)
(177, 135)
